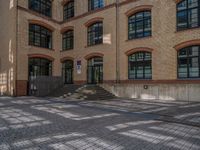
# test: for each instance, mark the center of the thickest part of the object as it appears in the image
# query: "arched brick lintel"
(177, 1)
(64, 2)
(89, 56)
(138, 9)
(93, 20)
(63, 30)
(41, 23)
(66, 58)
(187, 43)
(40, 56)
(138, 49)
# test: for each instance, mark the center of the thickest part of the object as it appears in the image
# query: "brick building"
(134, 48)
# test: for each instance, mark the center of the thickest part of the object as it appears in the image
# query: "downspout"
(16, 50)
(117, 43)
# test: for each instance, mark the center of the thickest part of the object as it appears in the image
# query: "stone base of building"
(21, 88)
(184, 92)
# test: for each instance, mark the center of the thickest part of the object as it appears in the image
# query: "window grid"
(189, 62)
(40, 67)
(139, 66)
(95, 4)
(139, 25)
(40, 36)
(185, 14)
(69, 10)
(41, 6)
(95, 34)
(68, 40)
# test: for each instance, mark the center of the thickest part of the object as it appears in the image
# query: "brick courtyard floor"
(57, 124)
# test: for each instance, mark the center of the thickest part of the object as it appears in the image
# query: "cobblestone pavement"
(29, 123)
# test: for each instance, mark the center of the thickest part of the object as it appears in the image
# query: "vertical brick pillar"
(21, 87)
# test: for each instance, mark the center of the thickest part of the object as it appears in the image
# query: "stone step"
(87, 92)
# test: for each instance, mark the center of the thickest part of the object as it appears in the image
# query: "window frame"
(42, 29)
(41, 65)
(143, 65)
(92, 7)
(99, 32)
(187, 13)
(69, 37)
(68, 9)
(188, 48)
(149, 18)
(40, 10)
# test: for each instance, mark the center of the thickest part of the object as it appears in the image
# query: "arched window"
(40, 36)
(95, 4)
(188, 14)
(139, 66)
(41, 6)
(40, 67)
(68, 10)
(95, 33)
(189, 62)
(139, 25)
(68, 40)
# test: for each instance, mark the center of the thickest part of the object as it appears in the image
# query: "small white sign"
(78, 66)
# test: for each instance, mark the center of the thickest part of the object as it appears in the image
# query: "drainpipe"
(16, 49)
(117, 43)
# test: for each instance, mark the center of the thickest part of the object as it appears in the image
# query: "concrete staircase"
(82, 92)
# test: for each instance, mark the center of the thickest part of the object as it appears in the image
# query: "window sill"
(185, 30)
(142, 38)
(38, 47)
(88, 46)
(67, 50)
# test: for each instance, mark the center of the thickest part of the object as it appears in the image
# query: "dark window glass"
(69, 10)
(189, 62)
(40, 36)
(41, 6)
(188, 14)
(95, 33)
(95, 4)
(40, 67)
(139, 66)
(68, 40)
(139, 25)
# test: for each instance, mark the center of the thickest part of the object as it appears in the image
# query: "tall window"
(40, 67)
(95, 34)
(139, 66)
(95, 4)
(139, 25)
(188, 14)
(189, 62)
(41, 6)
(68, 40)
(69, 10)
(40, 36)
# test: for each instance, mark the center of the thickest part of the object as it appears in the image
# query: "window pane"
(193, 18)
(182, 5)
(194, 67)
(139, 25)
(140, 66)
(95, 34)
(40, 36)
(192, 3)
(182, 19)
(188, 59)
(188, 14)
(41, 6)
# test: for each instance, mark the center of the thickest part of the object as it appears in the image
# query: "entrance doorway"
(67, 71)
(95, 70)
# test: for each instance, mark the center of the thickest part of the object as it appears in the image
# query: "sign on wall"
(78, 66)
